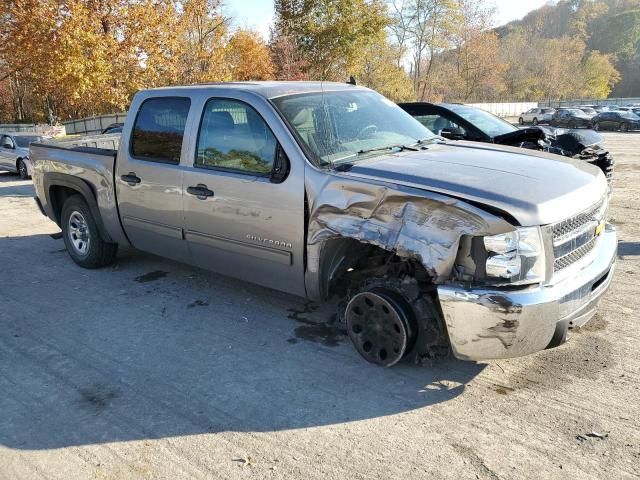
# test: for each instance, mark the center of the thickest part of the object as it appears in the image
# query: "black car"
(570, 118)
(618, 120)
(462, 122)
(113, 128)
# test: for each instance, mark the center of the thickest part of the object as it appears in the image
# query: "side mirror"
(451, 134)
(281, 166)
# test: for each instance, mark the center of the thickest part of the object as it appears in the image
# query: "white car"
(14, 152)
(536, 116)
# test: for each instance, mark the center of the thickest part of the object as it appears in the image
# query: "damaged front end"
(492, 284)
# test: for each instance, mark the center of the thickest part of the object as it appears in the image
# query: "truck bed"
(84, 158)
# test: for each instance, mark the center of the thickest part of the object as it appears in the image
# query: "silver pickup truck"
(329, 190)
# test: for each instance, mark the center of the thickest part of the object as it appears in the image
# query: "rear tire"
(535, 121)
(21, 167)
(624, 127)
(521, 121)
(81, 235)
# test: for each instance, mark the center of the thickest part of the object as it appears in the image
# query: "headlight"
(517, 256)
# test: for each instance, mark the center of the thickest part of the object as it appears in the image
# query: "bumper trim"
(486, 324)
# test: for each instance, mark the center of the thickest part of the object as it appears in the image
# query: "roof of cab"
(268, 89)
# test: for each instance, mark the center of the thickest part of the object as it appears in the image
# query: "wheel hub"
(79, 233)
(378, 323)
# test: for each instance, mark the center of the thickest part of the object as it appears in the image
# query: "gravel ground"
(153, 369)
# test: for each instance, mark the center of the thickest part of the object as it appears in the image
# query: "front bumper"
(486, 324)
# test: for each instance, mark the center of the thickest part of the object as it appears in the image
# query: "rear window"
(159, 129)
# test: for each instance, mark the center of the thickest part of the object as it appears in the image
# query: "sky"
(257, 14)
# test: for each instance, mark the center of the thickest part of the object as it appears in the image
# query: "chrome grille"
(576, 237)
(567, 227)
(574, 256)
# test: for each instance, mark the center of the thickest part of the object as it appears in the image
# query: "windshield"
(23, 141)
(484, 121)
(629, 115)
(350, 125)
(575, 111)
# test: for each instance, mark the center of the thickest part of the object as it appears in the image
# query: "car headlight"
(517, 256)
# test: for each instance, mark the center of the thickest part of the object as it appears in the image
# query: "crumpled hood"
(534, 187)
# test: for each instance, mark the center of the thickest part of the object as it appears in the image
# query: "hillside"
(608, 26)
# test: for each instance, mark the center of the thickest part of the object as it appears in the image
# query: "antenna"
(352, 80)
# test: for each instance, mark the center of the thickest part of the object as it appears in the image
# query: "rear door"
(149, 177)
(237, 220)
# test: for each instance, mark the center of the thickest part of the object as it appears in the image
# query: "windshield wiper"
(401, 148)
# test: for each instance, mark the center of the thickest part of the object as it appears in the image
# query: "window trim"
(135, 121)
(227, 169)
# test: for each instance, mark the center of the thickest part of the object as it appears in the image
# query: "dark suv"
(570, 118)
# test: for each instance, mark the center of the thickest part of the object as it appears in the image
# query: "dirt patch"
(151, 276)
(96, 397)
(198, 303)
(326, 333)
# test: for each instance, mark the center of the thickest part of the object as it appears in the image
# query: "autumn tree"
(248, 57)
(331, 34)
(600, 75)
(381, 72)
(203, 31)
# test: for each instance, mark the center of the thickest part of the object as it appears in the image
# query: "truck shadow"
(628, 249)
(13, 186)
(151, 349)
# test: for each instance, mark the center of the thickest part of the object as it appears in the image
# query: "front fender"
(412, 223)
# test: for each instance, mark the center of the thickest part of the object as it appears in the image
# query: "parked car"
(321, 189)
(570, 118)
(14, 152)
(618, 120)
(462, 122)
(113, 128)
(589, 111)
(536, 116)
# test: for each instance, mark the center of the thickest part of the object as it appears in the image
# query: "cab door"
(240, 219)
(149, 177)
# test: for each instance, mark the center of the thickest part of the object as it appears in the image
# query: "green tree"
(381, 72)
(600, 75)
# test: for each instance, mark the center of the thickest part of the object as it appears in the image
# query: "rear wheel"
(81, 235)
(21, 167)
(624, 127)
(572, 125)
(521, 121)
(535, 121)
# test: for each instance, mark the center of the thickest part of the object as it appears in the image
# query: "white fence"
(511, 109)
(48, 130)
(87, 126)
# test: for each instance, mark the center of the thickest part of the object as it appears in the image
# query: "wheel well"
(349, 262)
(58, 194)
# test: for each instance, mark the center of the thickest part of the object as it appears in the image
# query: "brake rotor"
(379, 323)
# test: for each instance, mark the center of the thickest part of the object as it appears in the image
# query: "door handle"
(131, 178)
(201, 191)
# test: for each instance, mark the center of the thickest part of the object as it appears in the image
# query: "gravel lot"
(153, 369)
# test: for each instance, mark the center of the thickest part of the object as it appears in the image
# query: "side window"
(159, 129)
(233, 136)
(6, 142)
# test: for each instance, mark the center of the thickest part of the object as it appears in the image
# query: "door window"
(159, 129)
(234, 137)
